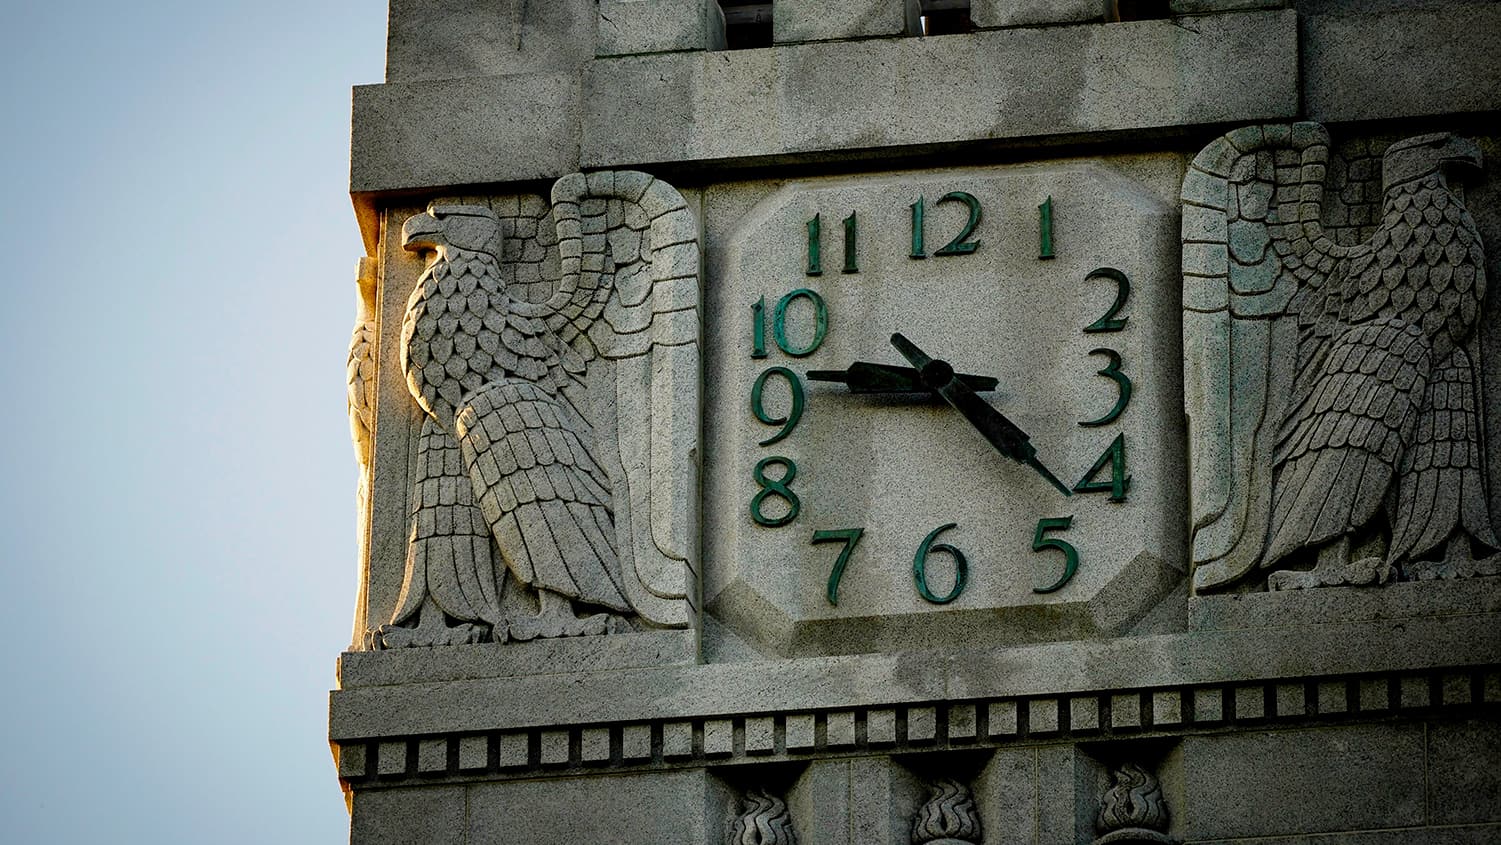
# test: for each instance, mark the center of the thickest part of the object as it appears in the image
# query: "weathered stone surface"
(405, 816)
(811, 684)
(988, 14)
(832, 99)
(539, 657)
(1198, 7)
(1464, 782)
(894, 93)
(450, 39)
(795, 21)
(659, 26)
(1303, 782)
(1447, 65)
(511, 128)
(671, 808)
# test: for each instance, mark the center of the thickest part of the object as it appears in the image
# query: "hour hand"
(866, 377)
(1005, 435)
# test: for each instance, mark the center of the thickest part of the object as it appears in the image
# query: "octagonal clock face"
(1008, 470)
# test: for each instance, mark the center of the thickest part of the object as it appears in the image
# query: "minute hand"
(1003, 434)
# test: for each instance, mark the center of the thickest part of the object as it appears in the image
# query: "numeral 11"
(815, 246)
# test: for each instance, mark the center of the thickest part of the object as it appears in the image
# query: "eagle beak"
(421, 232)
(1463, 151)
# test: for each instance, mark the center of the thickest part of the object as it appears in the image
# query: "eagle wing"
(627, 303)
(1256, 292)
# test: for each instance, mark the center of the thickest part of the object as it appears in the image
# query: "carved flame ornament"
(763, 820)
(1132, 810)
(949, 817)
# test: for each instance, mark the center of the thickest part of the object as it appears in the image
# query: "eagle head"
(443, 226)
(1416, 157)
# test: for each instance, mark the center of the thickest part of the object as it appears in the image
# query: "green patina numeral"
(1109, 322)
(1070, 554)
(850, 537)
(1113, 372)
(920, 566)
(775, 487)
(1119, 483)
(794, 414)
(851, 264)
(820, 322)
(918, 250)
(758, 330)
(959, 245)
(815, 247)
(1045, 228)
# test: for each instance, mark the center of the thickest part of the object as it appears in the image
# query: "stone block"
(1042, 716)
(800, 732)
(1334, 697)
(1167, 708)
(432, 756)
(1447, 62)
(1084, 714)
(760, 735)
(1002, 719)
(663, 808)
(391, 758)
(922, 725)
(659, 26)
(1250, 703)
(993, 14)
(538, 657)
(1209, 705)
(1202, 7)
(410, 135)
(448, 39)
(594, 745)
(1006, 793)
(719, 738)
(1291, 699)
(880, 727)
(1125, 711)
(853, 802)
(1464, 782)
(1302, 782)
(352, 758)
(794, 21)
(839, 729)
(474, 753)
(406, 816)
(892, 93)
(635, 742)
(677, 740)
(962, 722)
(515, 750)
(554, 748)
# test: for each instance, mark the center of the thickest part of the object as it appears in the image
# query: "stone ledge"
(359, 669)
(1297, 608)
(1216, 658)
(1404, 63)
(678, 743)
(795, 103)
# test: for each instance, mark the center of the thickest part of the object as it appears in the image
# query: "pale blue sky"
(178, 494)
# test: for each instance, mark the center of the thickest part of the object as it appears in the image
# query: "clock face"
(874, 513)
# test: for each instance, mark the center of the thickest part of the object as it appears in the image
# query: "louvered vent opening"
(747, 24)
(946, 17)
(1139, 10)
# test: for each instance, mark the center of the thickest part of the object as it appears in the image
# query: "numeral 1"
(918, 250)
(758, 330)
(815, 247)
(849, 245)
(1045, 228)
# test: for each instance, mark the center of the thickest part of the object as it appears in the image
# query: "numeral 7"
(850, 537)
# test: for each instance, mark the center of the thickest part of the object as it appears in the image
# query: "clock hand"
(866, 377)
(1003, 434)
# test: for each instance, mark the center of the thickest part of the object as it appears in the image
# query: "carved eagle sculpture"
(1332, 390)
(555, 466)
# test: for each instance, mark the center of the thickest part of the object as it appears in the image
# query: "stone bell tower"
(927, 421)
